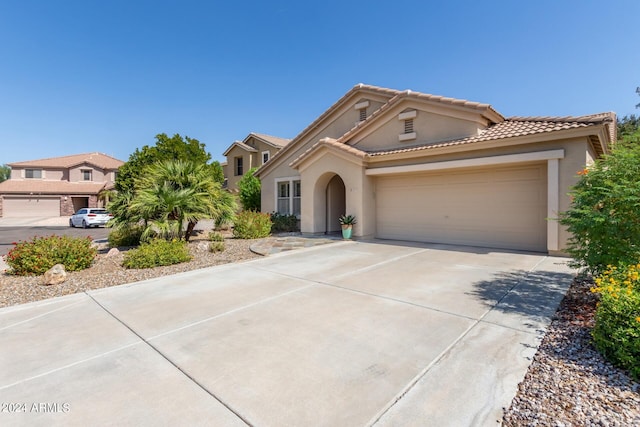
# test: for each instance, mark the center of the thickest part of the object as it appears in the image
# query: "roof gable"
(599, 126)
(274, 141)
(242, 146)
(100, 160)
(344, 103)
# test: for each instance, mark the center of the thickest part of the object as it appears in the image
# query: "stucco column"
(553, 204)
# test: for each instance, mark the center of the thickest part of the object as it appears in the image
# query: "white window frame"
(291, 180)
(84, 177)
(33, 170)
(263, 156)
(235, 166)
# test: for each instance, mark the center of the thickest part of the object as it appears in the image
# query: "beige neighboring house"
(419, 167)
(58, 186)
(253, 151)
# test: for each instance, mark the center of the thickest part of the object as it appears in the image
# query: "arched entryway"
(335, 202)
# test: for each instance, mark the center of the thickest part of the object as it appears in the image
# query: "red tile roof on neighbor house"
(100, 160)
(38, 186)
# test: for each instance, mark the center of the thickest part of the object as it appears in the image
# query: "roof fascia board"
(535, 156)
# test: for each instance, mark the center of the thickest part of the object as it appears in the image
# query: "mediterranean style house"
(57, 186)
(253, 151)
(418, 167)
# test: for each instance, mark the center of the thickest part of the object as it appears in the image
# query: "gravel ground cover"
(107, 271)
(569, 383)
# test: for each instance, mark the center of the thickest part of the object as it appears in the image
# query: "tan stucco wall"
(232, 178)
(336, 124)
(97, 175)
(249, 160)
(359, 195)
(429, 127)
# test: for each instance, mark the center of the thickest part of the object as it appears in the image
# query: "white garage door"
(499, 207)
(30, 207)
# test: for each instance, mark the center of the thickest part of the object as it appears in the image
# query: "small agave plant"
(347, 222)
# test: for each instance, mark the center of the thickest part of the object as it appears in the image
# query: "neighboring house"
(57, 186)
(253, 151)
(419, 167)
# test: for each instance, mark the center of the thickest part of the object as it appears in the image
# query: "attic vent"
(363, 114)
(408, 126)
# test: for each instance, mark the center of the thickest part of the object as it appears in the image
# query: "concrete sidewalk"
(348, 334)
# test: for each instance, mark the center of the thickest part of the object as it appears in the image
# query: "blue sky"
(82, 76)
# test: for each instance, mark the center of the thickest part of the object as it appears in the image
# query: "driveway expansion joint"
(161, 354)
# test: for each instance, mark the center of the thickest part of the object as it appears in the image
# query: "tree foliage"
(604, 217)
(169, 195)
(5, 172)
(166, 148)
(249, 186)
(629, 129)
(217, 172)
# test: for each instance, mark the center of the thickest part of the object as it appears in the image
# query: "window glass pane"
(33, 173)
(296, 189)
(283, 206)
(296, 205)
(283, 189)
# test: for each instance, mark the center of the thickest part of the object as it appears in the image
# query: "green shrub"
(38, 255)
(604, 217)
(617, 330)
(215, 236)
(126, 235)
(216, 247)
(283, 223)
(157, 252)
(252, 225)
(249, 186)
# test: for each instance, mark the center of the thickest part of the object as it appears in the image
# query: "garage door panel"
(495, 207)
(30, 207)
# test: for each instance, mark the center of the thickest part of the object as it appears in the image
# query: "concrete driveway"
(347, 334)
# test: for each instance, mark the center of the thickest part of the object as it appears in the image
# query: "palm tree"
(174, 193)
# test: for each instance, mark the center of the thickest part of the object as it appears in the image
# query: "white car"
(90, 217)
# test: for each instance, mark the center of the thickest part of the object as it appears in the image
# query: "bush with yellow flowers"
(617, 330)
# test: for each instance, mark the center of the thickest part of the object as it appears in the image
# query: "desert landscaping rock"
(569, 383)
(107, 271)
(54, 276)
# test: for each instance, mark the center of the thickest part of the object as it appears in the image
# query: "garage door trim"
(553, 179)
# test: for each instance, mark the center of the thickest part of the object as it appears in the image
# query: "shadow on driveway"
(526, 293)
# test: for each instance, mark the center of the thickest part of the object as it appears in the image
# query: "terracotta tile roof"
(12, 186)
(273, 140)
(510, 128)
(97, 159)
(486, 109)
(395, 96)
(329, 142)
(357, 88)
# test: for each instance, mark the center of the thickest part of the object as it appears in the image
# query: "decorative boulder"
(112, 252)
(55, 275)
